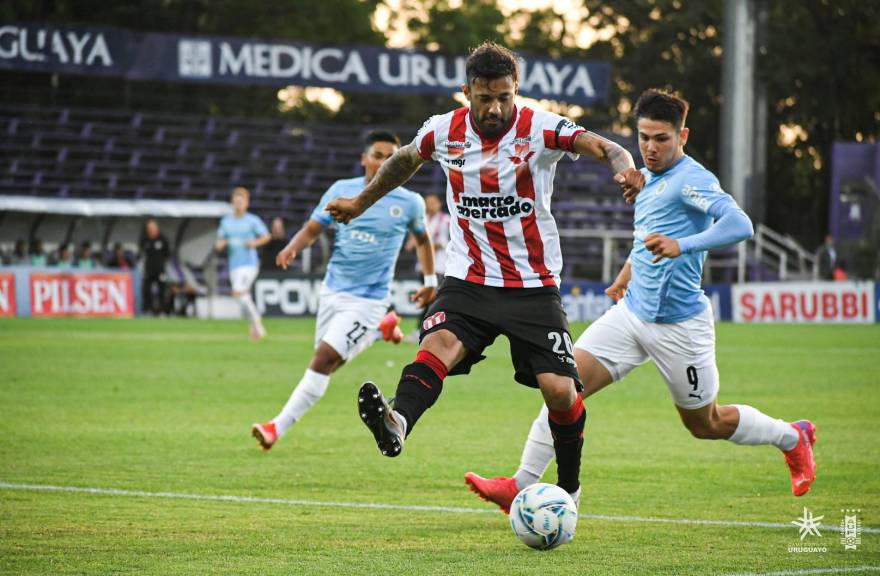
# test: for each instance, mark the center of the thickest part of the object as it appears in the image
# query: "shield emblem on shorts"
(433, 320)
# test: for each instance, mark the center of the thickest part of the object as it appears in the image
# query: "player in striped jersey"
(503, 259)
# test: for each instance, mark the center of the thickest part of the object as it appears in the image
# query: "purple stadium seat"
(83, 152)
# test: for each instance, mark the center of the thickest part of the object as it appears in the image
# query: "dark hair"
(381, 136)
(491, 61)
(664, 106)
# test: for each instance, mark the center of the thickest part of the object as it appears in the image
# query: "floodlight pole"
(744, 111)
(737, 89)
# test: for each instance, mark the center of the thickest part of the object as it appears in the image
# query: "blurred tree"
(821, 67)
(326, 21)
(663, 44)
(459, 29)
(822, 70)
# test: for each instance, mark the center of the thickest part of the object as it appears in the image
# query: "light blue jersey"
(237, 231)
(365, 250)
(680, 203)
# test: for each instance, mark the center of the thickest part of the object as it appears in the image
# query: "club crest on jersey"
(517, 160)
(434, 320)
(661, 187)
(396, 211)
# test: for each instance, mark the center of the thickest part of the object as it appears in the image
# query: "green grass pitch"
(166, 406)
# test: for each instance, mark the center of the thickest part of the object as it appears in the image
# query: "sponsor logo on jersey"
(364, 236)
(455, 144)
(493, 207)
(522, 141)
(459, 161)
(694, 196)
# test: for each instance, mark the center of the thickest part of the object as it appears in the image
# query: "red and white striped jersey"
(498, 191)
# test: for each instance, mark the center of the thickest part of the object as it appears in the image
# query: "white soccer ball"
(543, 516)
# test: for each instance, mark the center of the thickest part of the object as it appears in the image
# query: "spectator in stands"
(64, 257)
(36, 254)
(184, 287)
(839, 273)
(155, 250)
(437, 226)
(120, 258)
(826, 258)
(276, 244)
(19, 255)
(86, 260)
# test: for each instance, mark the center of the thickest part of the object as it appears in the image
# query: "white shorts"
(346, 322)
(684, 352)
(242, 278)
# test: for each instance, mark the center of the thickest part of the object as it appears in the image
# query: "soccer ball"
(543, 516)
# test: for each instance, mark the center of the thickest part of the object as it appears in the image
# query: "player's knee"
(559, 391)
(444, 345)
(326, 361)
(703, 428)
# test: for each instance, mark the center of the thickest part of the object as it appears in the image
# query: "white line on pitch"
(384, 506)
(806, 571)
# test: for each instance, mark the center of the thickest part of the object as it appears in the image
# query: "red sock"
(434, 363)
(570, 416)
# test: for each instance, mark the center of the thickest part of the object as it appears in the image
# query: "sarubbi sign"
(827, 302)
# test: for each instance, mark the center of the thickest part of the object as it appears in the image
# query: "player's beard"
(493, 129)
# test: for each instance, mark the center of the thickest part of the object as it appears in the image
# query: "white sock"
(310, 389)
(537, 453)
(755, 427)
(247, 304)
(576, 496)
(399, 417)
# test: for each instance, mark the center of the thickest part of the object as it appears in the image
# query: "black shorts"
(533, 320)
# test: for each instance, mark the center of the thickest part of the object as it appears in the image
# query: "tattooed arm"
(394, 172)
(618, 159)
